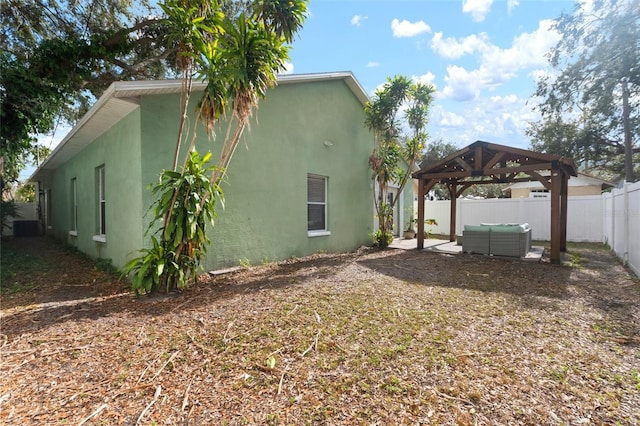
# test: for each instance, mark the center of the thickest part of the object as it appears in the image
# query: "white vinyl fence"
(621, 223)
(612, 218)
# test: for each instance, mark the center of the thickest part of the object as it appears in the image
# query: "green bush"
(382, 239)
(185, 204)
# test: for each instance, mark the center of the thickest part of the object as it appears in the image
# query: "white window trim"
(100, 238)
(74, 195)
(319, 233)
(101, 200)
(325, 231)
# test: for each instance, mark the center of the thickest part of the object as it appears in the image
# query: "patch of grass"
(106, 265)
(575, 259)
(559, 374)
(635, 376)
(15, 266)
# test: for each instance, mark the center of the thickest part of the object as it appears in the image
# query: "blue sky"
(483, 56)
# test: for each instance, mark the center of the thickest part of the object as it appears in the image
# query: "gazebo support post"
(453, 193)
(556, 214)
(563, 208)
(421, 193)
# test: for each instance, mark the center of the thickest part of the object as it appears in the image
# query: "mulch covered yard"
(374, 337)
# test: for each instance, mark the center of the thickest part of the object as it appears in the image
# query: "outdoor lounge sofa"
(497, 239)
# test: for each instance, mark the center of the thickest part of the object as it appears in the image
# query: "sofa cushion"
(477, 228)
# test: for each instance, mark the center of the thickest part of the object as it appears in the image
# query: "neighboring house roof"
(121, 98)
(582, 179)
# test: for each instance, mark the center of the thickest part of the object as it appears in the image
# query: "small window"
(74, 207)
(102, 223)
(317, 204)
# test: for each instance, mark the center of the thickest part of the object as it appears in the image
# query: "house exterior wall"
(265, 214)
(118, 150)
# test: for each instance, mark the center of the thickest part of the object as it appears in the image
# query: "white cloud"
(357, 20)
(373, 64)
(452, 48)
(427, 78)
(497, 65)
(512, 4)
(451, 119)
(528, 49)
(377, 89)
(462, 85)
(477, 8)
(504, 119)
(408, 29)
(288, 67)
(500, 119)
(540, 74)
(587, 6)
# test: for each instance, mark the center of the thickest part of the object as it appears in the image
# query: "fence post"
(613, 220)
(625, 218)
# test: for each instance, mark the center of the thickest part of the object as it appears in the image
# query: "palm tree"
(395, 154)
(239, 56)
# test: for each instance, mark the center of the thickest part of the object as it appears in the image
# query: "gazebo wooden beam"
(480, 172)
(542, 179)
(478, 157)
(463, 163)
(496, 158)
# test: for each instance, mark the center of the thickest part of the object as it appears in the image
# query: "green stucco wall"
(265, 215)
(118, 150)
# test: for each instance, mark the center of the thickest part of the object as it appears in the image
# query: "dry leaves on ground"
(389, 337)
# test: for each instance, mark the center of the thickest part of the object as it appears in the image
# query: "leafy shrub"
(185, 204)
(382, 239)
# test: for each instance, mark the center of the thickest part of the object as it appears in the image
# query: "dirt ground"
(371, 337)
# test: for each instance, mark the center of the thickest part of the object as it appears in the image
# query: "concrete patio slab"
(451, 247)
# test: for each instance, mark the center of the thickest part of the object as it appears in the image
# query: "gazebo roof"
(485, 162)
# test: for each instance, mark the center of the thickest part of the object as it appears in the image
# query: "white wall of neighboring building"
(26, 211)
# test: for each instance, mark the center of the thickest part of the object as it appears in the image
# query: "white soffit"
(98, 120)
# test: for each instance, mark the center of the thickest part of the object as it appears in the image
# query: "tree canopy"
(590, 103)
(58, 57)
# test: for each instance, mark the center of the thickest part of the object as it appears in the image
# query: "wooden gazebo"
(485, 162)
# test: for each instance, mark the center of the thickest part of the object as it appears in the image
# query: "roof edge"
(127, 89)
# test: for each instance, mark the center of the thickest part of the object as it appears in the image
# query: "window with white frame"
(102, 223)
(317, 205)
(74, 207)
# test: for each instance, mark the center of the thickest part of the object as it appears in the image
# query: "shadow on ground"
(68, 287)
